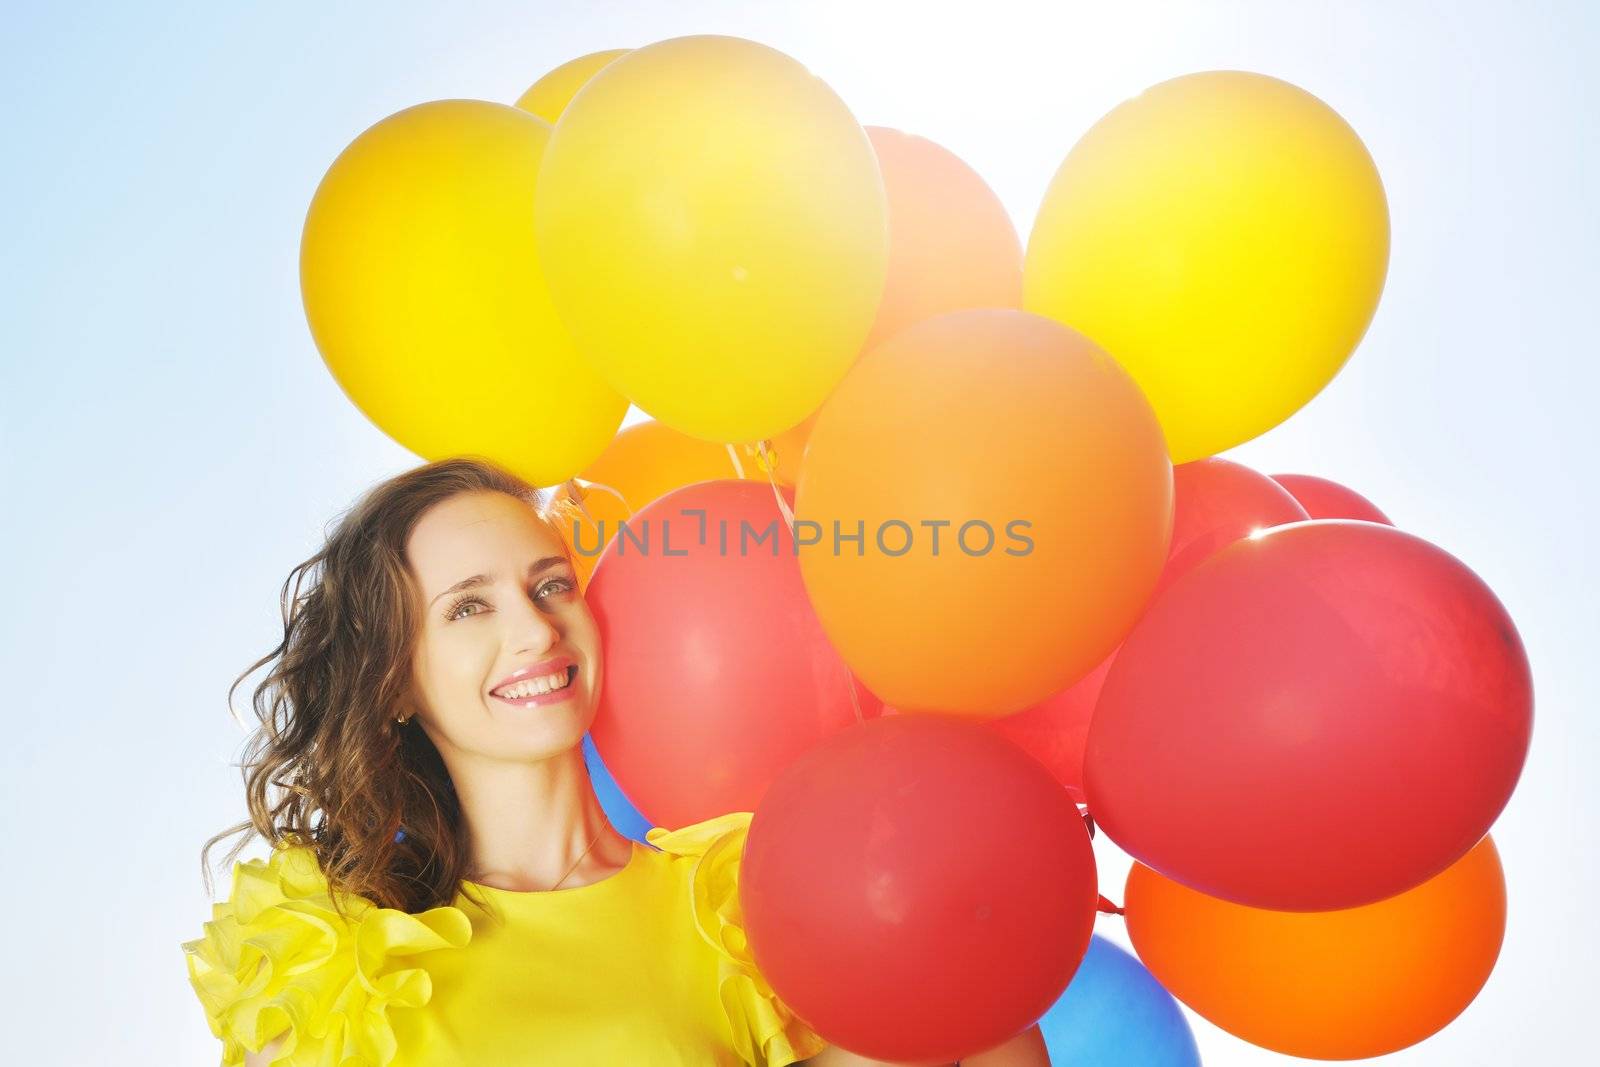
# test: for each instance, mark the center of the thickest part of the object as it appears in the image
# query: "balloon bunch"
(979, 567)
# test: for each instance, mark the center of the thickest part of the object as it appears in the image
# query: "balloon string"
(768, 461)
(855, 701)
(733, 455)
(578, 494)
(1102, 905)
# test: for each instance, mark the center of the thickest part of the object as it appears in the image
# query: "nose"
(532, 630)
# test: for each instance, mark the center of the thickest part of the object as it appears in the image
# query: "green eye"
(454, 611)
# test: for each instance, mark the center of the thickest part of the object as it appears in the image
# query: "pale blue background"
(172, 443)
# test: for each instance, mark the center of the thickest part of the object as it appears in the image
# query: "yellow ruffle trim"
(765, 1031)
(277, 958)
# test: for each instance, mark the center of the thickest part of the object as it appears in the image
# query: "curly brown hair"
(328, 767)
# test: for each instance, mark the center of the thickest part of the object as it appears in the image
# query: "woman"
(444, 887)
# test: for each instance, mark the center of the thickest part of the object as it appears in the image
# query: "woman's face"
(501, 613)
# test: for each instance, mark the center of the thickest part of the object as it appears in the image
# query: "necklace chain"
(579, 860)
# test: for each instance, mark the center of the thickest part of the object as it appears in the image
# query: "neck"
(528, 823)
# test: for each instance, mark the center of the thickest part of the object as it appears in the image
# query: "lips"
(553, 665)
(531, 697)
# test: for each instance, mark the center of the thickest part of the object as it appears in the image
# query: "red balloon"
(716, 671)
(1216, 502)
(1318, 718)
(1055, 730)
(1323, 499)
(918, 889)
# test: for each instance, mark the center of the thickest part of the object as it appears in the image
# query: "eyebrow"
(482, 579)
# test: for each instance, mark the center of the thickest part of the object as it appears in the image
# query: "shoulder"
(708, 855)
(280, 957)
(706, 849)
(764, 1030)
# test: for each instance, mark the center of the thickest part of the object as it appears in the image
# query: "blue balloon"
(623, 815)
(1115, 1014)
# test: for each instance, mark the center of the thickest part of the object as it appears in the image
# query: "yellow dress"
(646, 966)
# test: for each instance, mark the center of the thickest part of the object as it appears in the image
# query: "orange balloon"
(645, 461)
(951, 246)
(650, 459)
(1331, 985)
(586, 527)
(1047, 467)
(951, 243)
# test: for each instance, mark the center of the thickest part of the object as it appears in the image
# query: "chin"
(543, 735)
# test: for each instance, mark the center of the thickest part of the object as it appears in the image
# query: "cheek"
(447, 671)
(585, 633)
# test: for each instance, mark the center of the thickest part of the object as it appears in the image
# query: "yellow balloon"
(712, 223)
(549, 96)
(423, 289)
(1225, 236)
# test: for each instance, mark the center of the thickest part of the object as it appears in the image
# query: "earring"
(401, 721)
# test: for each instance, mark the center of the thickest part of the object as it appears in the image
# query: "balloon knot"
(766, 456)
(1108, 907)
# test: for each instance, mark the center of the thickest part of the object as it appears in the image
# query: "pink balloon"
(1323, 499)
(717, 673)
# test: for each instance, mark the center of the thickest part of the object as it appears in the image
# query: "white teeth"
(534, 686)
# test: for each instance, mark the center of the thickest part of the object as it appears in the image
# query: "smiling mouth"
(549, 689)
